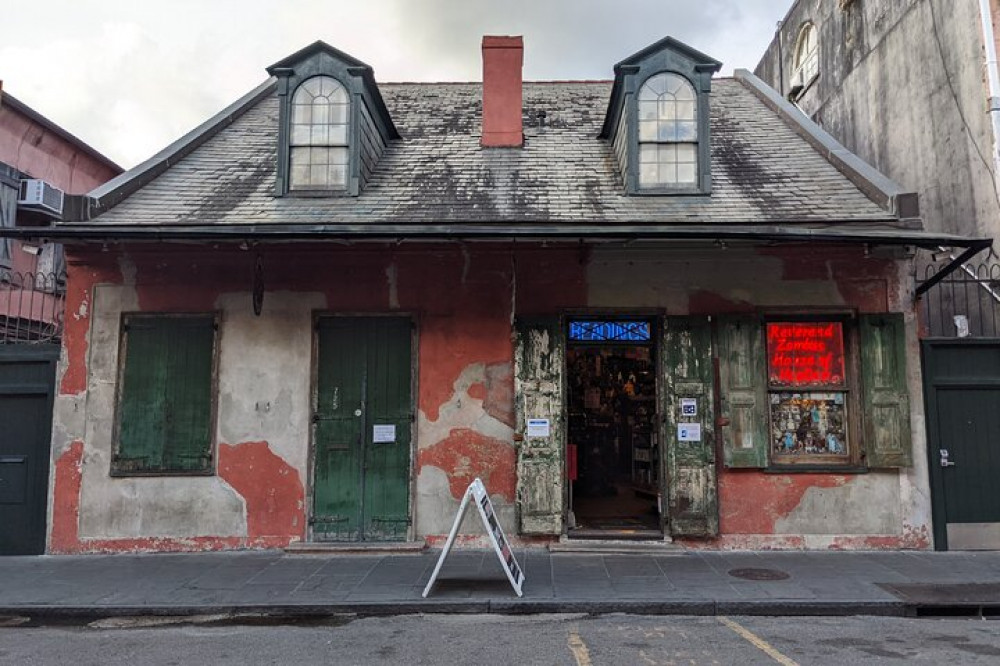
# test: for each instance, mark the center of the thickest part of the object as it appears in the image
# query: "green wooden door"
(27, 381)
(363, 429)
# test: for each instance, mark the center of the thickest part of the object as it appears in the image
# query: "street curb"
(43, 614)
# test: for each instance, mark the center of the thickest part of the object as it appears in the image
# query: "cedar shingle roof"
(762, 170)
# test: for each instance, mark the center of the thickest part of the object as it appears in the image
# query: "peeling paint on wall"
(273, 491)
(466, 455)
(753, 503)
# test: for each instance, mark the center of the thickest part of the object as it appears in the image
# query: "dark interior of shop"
(613, 452)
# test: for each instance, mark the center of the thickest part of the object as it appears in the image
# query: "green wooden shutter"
(165, 411)
(688, 375)
(539, 358)
(743, 391)
(886, 400)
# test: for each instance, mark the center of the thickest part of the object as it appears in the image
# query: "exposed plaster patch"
(128, 269)
(392, 279)
(68, 421)
(866, 504)
(265, 366)
(463, 411)
(752, 502)
(437, 506)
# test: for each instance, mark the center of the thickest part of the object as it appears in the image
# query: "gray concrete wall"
(901, 84)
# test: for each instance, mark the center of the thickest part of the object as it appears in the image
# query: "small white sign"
(688, 432)
(538, 428)
(689, 407)
(382, 434)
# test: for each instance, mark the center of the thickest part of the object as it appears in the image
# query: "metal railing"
(965, 304)
(32, 307)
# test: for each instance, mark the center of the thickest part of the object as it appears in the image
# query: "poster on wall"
(808, 423)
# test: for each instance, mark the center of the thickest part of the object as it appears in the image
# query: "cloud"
(129, 78)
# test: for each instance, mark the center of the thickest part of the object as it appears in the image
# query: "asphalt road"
(525, 640)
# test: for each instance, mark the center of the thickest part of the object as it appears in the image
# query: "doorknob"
(944, 459)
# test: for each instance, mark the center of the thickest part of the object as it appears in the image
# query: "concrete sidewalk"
(287, 585)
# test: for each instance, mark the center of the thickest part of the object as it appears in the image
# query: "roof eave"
(510, 231)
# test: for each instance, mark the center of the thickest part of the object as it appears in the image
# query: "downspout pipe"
(993, 79)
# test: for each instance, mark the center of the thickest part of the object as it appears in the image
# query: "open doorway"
(614, 458)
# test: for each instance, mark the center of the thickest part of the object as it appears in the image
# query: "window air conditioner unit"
(37, 195)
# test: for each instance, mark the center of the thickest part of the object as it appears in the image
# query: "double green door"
(363, 423)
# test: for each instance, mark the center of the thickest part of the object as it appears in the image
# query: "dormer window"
(658, 120)
(333, 125)
(668, 132)
(318, 141)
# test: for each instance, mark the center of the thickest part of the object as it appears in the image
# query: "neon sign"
(805, 353)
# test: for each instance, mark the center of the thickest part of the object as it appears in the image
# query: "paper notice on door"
(688, 432)
(537, 428)
(382, 434)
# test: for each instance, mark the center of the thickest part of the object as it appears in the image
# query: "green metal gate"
(362, 433)
(27, 387)
(962, 390)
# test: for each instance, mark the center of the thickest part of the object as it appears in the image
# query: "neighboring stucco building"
(912, 88)
(41, 166)
(663, 307)
(33, 147)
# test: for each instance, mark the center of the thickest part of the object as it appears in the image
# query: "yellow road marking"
(579, 648)
(757, 642)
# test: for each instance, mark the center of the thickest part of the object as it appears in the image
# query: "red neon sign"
(805, 353)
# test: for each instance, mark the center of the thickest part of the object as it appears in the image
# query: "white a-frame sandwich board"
(477, 492)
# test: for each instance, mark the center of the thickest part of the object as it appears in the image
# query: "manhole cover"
(758, 574)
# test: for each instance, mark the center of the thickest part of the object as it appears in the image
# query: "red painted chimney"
(502, 61)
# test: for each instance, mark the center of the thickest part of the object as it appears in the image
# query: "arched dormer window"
(805, 66)
(318, 139)
(668, 132)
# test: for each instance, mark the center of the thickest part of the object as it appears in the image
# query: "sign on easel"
(477, 492)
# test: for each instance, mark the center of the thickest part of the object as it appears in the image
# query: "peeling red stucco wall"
(272, 490)
(751, 502)
(462, 300)
(466, 455)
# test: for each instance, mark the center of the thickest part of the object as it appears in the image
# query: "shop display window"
(808, 392)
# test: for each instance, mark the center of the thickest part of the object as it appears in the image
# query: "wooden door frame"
(656, 317)
(939, 516)
(317, 316)
(48, 353)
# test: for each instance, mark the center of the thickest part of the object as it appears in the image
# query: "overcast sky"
(129, 76)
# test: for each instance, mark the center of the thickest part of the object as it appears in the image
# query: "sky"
(130, 76)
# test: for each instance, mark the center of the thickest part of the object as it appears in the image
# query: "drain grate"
(759, 574)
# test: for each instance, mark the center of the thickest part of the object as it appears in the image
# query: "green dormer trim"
(370, 128)
(688, 77)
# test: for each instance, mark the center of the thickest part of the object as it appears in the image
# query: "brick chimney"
(502, 61)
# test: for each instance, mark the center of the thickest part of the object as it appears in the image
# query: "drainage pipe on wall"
(993, 78)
